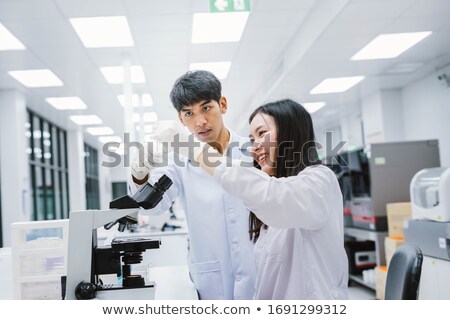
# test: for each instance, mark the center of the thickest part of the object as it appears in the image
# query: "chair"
(403, 275)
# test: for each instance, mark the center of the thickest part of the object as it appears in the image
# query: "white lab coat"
(301, 255)
(221, 260)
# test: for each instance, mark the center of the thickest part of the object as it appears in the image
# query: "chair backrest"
(403, 275)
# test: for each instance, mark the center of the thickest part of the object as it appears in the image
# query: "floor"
(360, 292)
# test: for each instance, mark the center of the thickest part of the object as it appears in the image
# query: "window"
(47, 157)
(91, 170)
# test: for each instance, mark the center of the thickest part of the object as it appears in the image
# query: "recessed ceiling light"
(218, 27)
(115, 75)
(110, 139)
(220, 69)
(387, 46)
(148, 117)
(147, 128)
(134, 100)
(8, 41)
(86, 119)
(103, 32)
(312, 107)
(335, 85)
(66, 103)
(99, 131)
(36, 78)
(147, 100)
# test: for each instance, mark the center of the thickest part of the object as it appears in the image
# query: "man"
(221, 260)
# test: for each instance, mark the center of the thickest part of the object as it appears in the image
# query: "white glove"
(176, 138)
(142, 164)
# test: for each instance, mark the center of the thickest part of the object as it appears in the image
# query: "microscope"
(87, 261)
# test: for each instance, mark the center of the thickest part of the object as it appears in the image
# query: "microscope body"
(86, 261)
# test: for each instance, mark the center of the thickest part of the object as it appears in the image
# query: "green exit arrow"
(229, 5)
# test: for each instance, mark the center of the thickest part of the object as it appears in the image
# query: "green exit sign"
(229, 5)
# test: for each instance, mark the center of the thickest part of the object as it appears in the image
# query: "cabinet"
(39, 254)
(378, 238)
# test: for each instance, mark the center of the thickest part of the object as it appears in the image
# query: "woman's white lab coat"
(301, 255)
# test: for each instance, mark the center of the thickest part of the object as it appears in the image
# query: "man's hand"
(144, 162)
(176, 138)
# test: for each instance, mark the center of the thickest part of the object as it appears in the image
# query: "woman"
(296, 204)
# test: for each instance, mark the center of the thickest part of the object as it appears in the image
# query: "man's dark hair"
(195, 86)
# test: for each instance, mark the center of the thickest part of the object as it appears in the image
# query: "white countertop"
(172, 282)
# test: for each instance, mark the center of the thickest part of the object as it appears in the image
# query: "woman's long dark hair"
(296, 146)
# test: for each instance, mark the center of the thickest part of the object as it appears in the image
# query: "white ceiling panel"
(286, 5)
(426, 8)
(286, 49)
(167, 22)
(27, 9)
(89, 8)
(374, 10)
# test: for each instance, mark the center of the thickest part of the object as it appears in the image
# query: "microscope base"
(109, 292)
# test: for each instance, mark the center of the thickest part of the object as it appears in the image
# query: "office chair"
(403, 275)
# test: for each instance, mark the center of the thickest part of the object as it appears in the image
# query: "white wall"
(426, 113)
(14, 161)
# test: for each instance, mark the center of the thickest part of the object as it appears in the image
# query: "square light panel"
(99, 131)
(134, 100)
(66, 103)
(103, 32)
(220, 69)
(36, 78)
(8, 41)
(387, 46)
(148, 117)
(86, 120)
(115, 75)
(312, 107)
(218, 27)
(335, 85)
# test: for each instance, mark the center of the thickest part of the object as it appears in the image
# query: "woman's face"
(263, 135)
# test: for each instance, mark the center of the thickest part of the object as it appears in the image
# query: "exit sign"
(229, 5)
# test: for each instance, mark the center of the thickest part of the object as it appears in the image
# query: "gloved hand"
(176, 138)
(143, 163)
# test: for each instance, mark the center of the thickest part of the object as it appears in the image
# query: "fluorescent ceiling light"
(147, 128)
(312, 107)
(134, 100)
(147, 100)
(334, 85)
(99, 131)
(103, 32)
(387, 46)
(36, 78)
(115, 75)
(218, 27)
(86, 120)
(148, 117)
(8, 41)
(66, 103)
(220, 69)
(110, 139)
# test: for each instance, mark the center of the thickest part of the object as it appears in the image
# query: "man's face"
(204, 119)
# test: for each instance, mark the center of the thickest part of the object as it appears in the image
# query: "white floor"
(360, 292)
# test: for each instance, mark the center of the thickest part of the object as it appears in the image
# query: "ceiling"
(287, 48)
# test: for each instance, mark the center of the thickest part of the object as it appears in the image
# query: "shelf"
(359, 279)
(375, 236)
(41, 278)
(365, 234)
